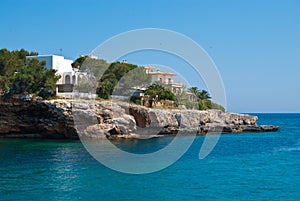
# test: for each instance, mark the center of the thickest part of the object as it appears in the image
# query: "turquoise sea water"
(251, 166)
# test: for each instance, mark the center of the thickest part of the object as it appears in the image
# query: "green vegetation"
(135, 100)
(137, 77)
(85, 84)
(119, 78)
(94, 67)
(156, 90)
(79, 61)
(17, 77)
(217, 106)
(10, 63)
(203, 100)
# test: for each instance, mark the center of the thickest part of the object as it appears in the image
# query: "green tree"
(159, 91)
(94, 67)
(78, 62)
(86, 84)
(18, 76)
(34, 78)
(194, 90)
(203, 95)
(119, 78)
(136, 77)
(203, 99)
(10, 63)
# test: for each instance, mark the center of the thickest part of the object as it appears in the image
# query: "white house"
(68, 77)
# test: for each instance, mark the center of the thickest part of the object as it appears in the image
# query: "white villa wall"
(55, 62)
(59, 63)
(161, 78)
(168, 79)
(68, 76)
(154, 78)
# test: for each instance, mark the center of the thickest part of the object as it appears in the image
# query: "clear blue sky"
(255, 44)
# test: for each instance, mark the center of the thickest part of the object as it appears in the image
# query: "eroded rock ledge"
(69, 119)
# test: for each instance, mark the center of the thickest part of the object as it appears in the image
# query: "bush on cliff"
(202, 102)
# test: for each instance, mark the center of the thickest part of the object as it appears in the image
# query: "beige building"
(165, 78)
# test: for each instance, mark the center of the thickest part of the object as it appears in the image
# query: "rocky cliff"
(70, 119)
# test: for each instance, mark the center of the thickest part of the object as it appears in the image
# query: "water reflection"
(142, 146)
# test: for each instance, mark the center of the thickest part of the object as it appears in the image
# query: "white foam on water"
(295, 147)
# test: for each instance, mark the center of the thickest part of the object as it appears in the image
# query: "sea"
(246, 166)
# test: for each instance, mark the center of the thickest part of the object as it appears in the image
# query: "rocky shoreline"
(71, 119)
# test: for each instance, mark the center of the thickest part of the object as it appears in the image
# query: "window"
(67, 79)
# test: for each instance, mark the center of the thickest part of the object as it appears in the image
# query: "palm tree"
(193, 90)
(156, 89)
(203, 95)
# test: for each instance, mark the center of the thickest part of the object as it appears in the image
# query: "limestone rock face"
(98, 119)
(93, 119)
(162, 118)
(141, 115)
(39, 119)
(240, 119)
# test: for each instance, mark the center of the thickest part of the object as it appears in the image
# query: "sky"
(254, 44)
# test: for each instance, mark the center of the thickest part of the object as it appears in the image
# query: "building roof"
(48, 55)
(161, 73)
(149, 67)
(45, 55)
